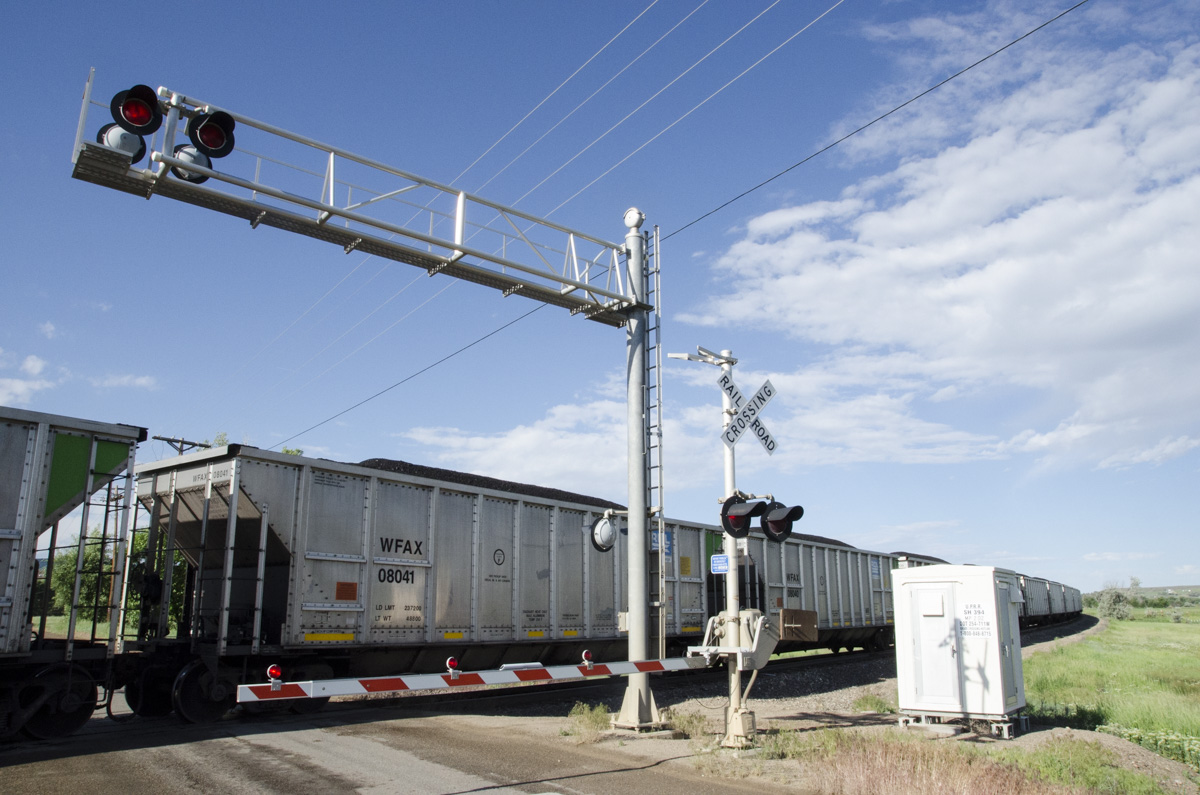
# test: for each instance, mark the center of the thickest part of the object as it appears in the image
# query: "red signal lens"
(452, 663)
(587, 655)
(136, 112)
(275, 671)
(211, 136)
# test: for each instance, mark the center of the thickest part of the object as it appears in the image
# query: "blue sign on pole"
(719, 564)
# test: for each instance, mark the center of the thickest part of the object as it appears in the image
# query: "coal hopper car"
(384, 567)
(64, 488)
(354, 570)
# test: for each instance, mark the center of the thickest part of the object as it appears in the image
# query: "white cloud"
(580, 448)
(19, 391)
(125, 380)
(1040, 241)
(33, 365)
(1187, 568)
(47, 330)
(1165, 450)
(1116, 556)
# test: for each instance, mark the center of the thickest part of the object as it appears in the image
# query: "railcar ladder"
(659, 601)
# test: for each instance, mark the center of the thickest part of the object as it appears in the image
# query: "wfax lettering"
(400, 546)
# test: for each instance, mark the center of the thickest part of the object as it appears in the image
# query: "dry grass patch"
(850, 762)
(588, 722)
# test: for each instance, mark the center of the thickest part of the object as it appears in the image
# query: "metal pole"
(638, 710)
(735, 734)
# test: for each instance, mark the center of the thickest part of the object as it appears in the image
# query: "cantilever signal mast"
(365, 205)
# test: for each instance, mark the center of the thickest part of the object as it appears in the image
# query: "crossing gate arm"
(398, 684)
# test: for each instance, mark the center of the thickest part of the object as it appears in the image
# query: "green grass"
(1138, 674)
(873, 703)
(1167, 615)
(1076, 763)
(57, 626)
(1140, 680)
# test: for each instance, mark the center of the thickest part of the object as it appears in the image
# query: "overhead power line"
(591, 96)
(410, 376)
(652, 97)
(696, 107)
(555, 91)
(877, 119)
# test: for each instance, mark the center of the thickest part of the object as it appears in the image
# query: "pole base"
(638, 710)
(740, 729)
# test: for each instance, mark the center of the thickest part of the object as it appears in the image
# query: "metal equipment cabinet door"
(1010, 646)
(936, 657)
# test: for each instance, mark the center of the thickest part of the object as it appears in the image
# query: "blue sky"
(982, 314)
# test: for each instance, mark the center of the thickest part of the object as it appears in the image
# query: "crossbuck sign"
(746, 414)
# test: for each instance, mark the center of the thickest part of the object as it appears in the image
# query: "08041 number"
(397, 575)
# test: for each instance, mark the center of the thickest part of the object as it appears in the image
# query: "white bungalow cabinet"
(958, 645)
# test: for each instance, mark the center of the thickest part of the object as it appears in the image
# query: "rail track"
(535, 699)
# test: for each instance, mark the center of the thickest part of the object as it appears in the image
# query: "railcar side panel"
(1058, 604)
(400, 564)
(454, 524)
(689, 545)
(494, 595)
(1037, 599)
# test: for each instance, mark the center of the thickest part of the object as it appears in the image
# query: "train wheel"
(311, 671)
(199, 696)
(70, 698)
(149, 694)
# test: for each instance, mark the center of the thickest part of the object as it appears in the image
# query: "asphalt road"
(376, 750)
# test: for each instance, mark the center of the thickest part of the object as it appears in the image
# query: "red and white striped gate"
(396, 684)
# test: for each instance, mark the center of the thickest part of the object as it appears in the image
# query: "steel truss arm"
(285, 180)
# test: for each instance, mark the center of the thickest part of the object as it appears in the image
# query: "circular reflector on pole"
(190, 154)
(604, 534)
(114, 136)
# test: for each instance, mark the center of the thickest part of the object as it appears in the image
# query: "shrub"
(587, 722)
(1114, 604)
(1169, 744)
(692, 725)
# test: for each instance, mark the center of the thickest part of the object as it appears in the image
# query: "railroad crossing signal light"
(211, 135)
(736, 515)
(777, 520)
(136, 110)
(135, 115)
